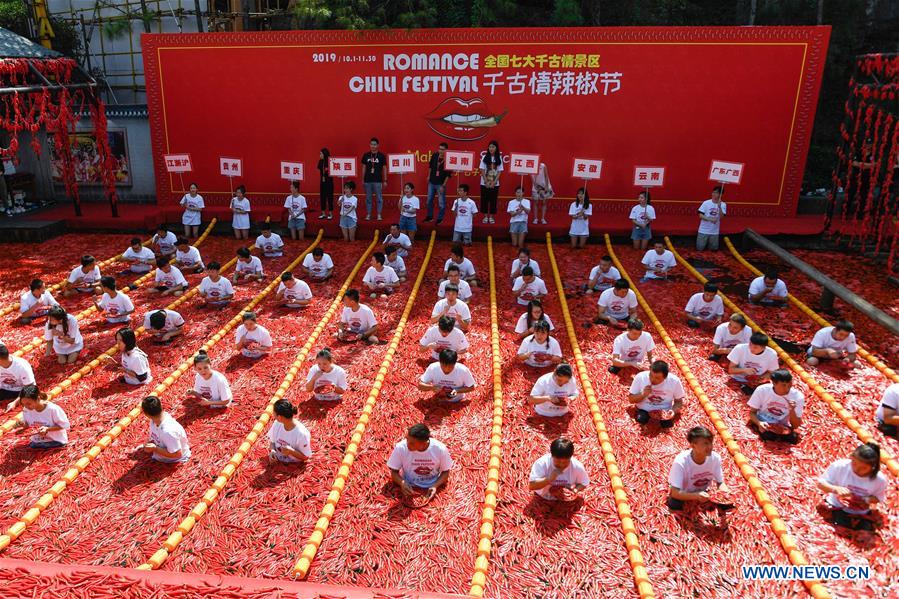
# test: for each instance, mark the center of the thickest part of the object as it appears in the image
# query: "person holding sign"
(325, 184)
(580, 212)
(419, 464)
(374, 177)
(326, 380)
(542, 191)
(491, 167)
(347, 205)
(711, 212)
(518, 209)
(437, 176)
(296, 212)
(409, 205)
(557, 475)
(464, 208)
(642, 216)
(853, 486)
(240, 206)
(193, 211)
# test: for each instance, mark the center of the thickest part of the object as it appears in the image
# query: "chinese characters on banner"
(524, 164)
(292, 170)
(177, 163)
(726, 172)
(649, 176)
(459, 161)
(584, 168)
(558, 83)
(231, 167)
(342, 167)
(400, 163)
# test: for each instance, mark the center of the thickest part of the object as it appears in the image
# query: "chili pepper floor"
(121, 508)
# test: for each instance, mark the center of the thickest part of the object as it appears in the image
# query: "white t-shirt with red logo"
(466, 267)
(662, 396)
(420, 468)
(52, 415)
(258, 338)
(522, 325)
(743, 357)
(823, 339)
(83, 280)
(460, 376)
(170, 279)
(252, 267)
(166, 243)
(136, 361)
(170, 436)
(465, 211)
(318, 268)
(575, 474)
(376, 277)
(690, 477)
(145, 255)
(464, 289)
(617, 307)
(411, 204)
(655, 261)
(299, 292)
(774, 408)
(460, 308)
(703, 310)
(604, 280)
(360, 320)
(173, 320)
(518, 266)
(546, 386)
(454, 340)
(840, 474)
(216, 289)
(758, 285)
(271, 246)
(889, 400)
(401, 242)
(215, 388)
(118, 308)
(633, 350)
(323, 390)
(541, 352)
(46, 300)
(296, 204)
(710, 209)
(726, 340)
(190, 258)
(16, 375)
(525, 291)
(64, 348)
(297, 439)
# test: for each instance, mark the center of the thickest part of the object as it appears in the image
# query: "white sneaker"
(486, 220)
(492, 220)
(535, 222)
(542, 221)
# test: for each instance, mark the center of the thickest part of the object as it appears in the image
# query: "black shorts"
(9, 395)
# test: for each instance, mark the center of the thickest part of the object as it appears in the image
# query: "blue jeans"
(373, 188)
(48, 444)
(433, 190)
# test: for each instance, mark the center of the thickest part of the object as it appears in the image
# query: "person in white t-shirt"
(293, 293)
(169, 280)
(187, 257)
(347, 204)
(326, 380)
(834, 343)
(165, 241)
(114, 305)
(248, 267)
(168, 441)
(453, 307)
(193, 211)
(642, 216)
(134, 364)
(63, 336)
(464, 208)
(357, 321)
(524, 259)
(775, 408)
(710, 212)
(616, 305)
(270, 244)
(887, 414)
(854, 486)
(380, 279)
(163, 324)
(580, 212)
(657, 393)
(444, 335)
(728, 335)
(518, 209)
(215, 290)
(252, 339)
(466, 268)
(447, 379)
(419, 464)
(296, 212)
(241, 209)
(408, 205)
(705, 308)
(454, 277)
(318, 265)
(540, 350)
(15, 373)
(553, 392)
(289, 439)
(399, 240)
(658, 262)
(632, 349)
(558, 475)
(211, 387)
(696, 472)
(751, 364)
(768, 290)
(534, 314)
(528, 287)
(602, 276)
(395, 261)
(141, 259)
(36, 302)
(542, 191)
(52, 424)
(84, 278)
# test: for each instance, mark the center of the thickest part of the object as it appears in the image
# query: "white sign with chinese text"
(459, 161)
(231, 167)
(400, 163)
(726, 172)
(342, 167)
(584, 168)
(177, 163)
(292, 170)
(649, 176)
(524, 164)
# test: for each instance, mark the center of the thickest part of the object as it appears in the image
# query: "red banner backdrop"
(672, 97)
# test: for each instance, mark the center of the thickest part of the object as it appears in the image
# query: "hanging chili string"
(890, 201)
(872, 159)
(857, 120)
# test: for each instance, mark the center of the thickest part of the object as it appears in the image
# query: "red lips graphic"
(463, 120)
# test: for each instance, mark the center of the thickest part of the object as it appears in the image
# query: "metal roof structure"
(13, 45)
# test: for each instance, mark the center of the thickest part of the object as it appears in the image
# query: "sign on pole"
(231, 167)
(524, 164)
(649, 176)
(726, 172)
(459, 161)
(585, 168)
(398, 164)
(178, 163)
(292, 170)
(342, 166)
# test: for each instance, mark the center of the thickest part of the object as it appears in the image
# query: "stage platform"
(145, 217)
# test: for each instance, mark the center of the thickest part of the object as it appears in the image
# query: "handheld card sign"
(292, 170)
(524, 164)
(177, 163)
(342, 167)
(398, 164)
(649, 176)
(459, 161)
(231, 167)
(726, 172)
(585, 168)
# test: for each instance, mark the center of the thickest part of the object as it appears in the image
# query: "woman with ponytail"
(62, 336)
(49, 419)
(289, 439)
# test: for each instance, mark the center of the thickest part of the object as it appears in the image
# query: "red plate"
(325, 389)
(723, 500)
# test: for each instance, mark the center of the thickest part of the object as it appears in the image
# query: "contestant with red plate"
(447, 379)
(419, 465)
(326, 380)
(854, 485)
(558, 475)
(696, 474)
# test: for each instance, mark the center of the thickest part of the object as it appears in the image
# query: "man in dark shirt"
(437, 176)
(374, 176)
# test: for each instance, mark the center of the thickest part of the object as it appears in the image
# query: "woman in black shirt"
(326, 185)
(491, 166)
